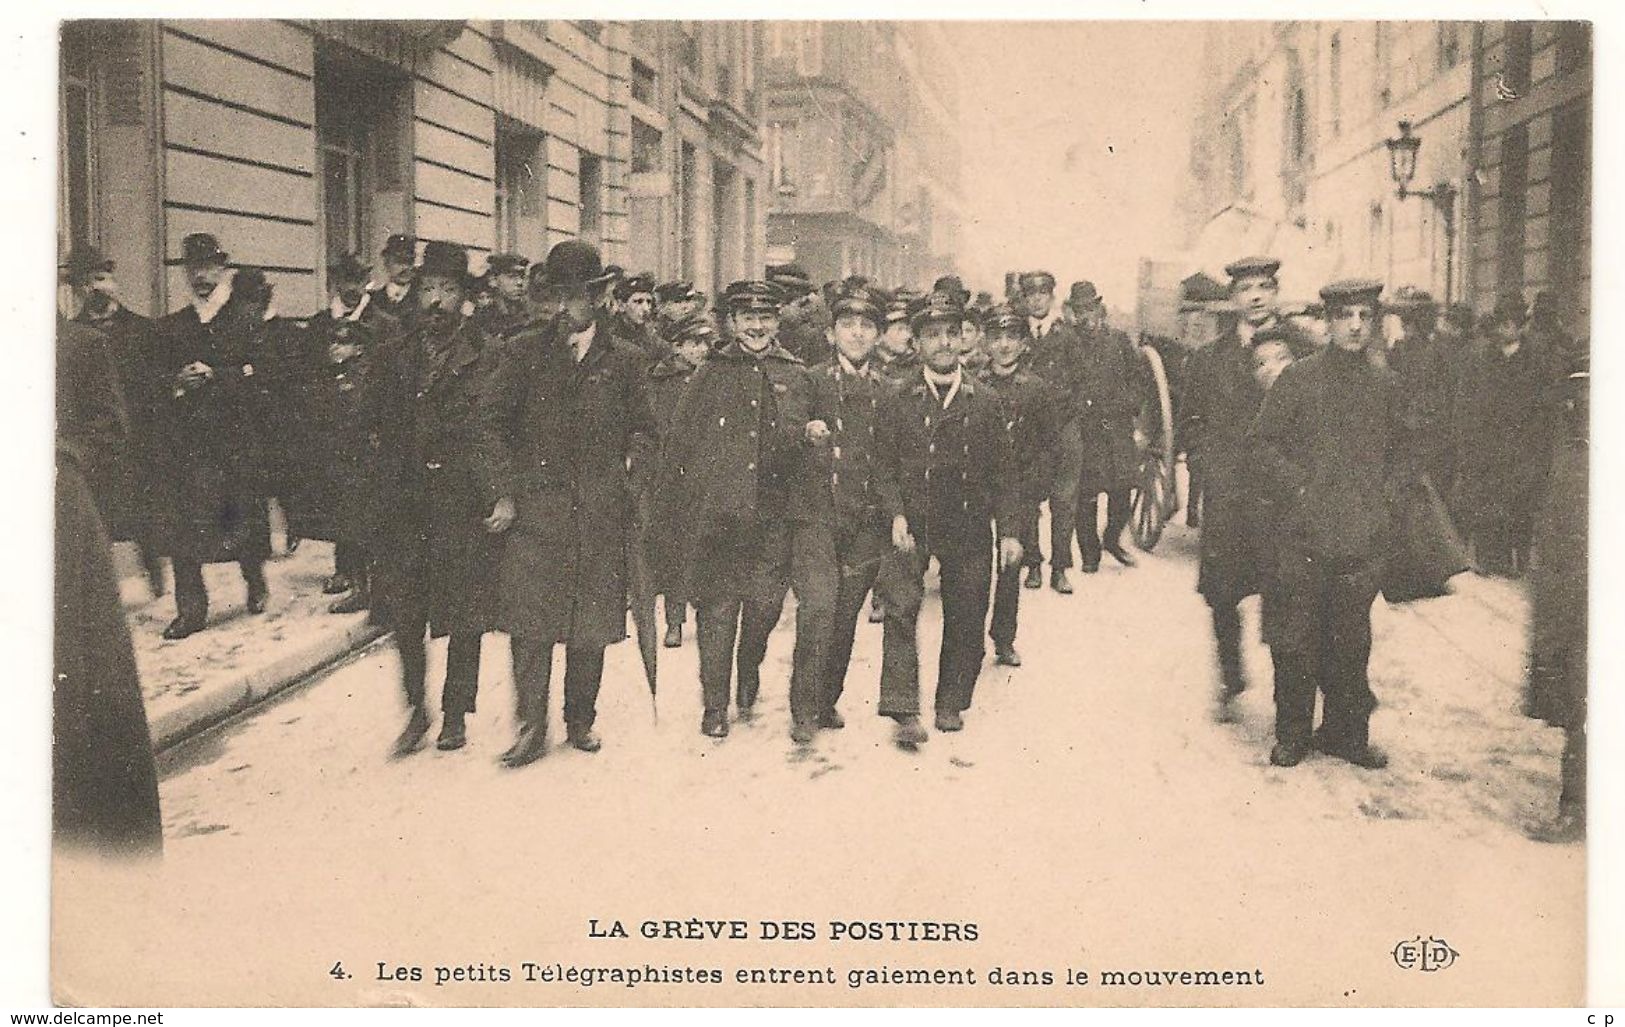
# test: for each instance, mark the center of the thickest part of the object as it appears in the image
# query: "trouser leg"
(718, 628)
(1117, 516)
(1571, 799)
(1294, 696)
(853, 584)
(191, 597)
(1227, 637)
(902, 587)
(767, 582)
(1006, 606)
(152, 564)
(409, 627)
(813, 577)
(1063, 497)
(583, 673)
(1346, 656)
(967, 573)
(462, 673)
(532, 682)
(1089, 528)
(350, 560)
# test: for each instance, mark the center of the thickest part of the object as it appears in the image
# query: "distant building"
(1289, 150)
(862, 149)
(1531, 229)
(294, 141)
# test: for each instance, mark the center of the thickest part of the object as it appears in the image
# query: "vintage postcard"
(822, 513)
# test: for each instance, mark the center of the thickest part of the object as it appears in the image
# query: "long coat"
(1034, 411)
(434, 555)
(1504, 434)
(861, 495)
(555, 436)
(104, 784)
(212, 438)
(339, 427)
(1113, 383)
(736, 453)
(1221, 403)
(1558, 640)
(129, 494)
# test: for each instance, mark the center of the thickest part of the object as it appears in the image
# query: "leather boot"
(411, 737)
(714, 724)
(1034, 578)
(453, 733)
(909, 733)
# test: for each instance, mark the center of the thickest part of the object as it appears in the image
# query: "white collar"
(581, 341)
(1041, 325)
(208, 308)
(935, 382)
(396, 292)
(847, 366)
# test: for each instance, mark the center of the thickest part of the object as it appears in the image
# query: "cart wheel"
(1150, 506)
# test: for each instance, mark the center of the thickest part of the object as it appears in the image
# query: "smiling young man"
(851, 389)
(1329, 449)
(733, 506)
(944, 440)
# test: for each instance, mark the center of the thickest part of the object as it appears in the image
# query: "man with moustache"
(560, 418)
(943, 439)
(432, 548)
(1113, 383)
(216, 510)
(733, 496)
(1329, 449)
(851, 390)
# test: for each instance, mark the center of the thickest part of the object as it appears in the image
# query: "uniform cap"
(1351, 290)
(676, 292)
(1004, 320)
(1251, 267)
(752, 294)
(633, 284)
(860, 300)
(694, 327)
(400, 247)
(792, 280)
(939, 306)
(505, 263)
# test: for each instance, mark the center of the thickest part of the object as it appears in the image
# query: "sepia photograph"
(765, 513)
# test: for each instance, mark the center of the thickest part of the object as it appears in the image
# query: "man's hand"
(1010, 553)
(901, 539)
(817, 432)
(502, 516)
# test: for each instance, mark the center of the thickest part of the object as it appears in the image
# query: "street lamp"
(1402, 166)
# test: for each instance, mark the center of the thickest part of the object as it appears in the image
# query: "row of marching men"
(489, 461)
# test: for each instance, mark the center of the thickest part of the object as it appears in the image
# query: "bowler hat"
(1252, 267)
(201, 248)
(446, 259)
(952, 285)
(399, 247)
(573, 262)
(1084, 296)
(752, 294)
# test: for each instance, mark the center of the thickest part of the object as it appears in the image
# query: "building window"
(592, 197)
(645, 148)
(1570, 251)
(1515, 68)
(1573, 46)
(1513, 210)
(521, 188)
(1447, 41)
(782, 156)
(344, 138)
(1335, 83)
(643, 83)
(76, 142)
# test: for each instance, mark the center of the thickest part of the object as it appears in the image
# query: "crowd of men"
(534, 448)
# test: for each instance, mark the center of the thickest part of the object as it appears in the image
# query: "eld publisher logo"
(1428, 955)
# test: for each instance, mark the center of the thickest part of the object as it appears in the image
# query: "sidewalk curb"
(209, 706)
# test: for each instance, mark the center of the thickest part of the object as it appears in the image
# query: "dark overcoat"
(434, 556)
(213, 438)
(1221, 403)
(339, 427)
(1113, 384)
(1504, 442)
(1558, 580)
(129, 493)
(736, 453)
(1034, 412)
(556, 436)
(104, 784)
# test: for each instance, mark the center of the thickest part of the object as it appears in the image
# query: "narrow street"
(1094, 769)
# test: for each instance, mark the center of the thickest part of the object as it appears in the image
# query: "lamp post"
(1402, 166)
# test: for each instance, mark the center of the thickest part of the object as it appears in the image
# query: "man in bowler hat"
(558, 425)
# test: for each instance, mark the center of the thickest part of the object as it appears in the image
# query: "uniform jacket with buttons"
(955, 467)
(1034, 412)
(854, 483)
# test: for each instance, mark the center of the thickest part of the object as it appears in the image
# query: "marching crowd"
(535, 449)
